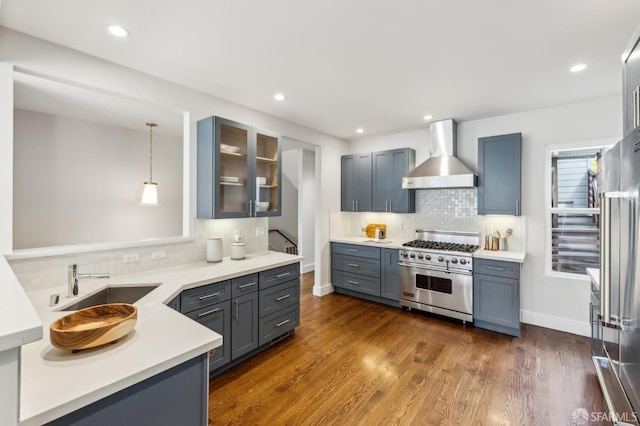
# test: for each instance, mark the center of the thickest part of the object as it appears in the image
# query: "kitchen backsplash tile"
(454, 209)
(49, 272)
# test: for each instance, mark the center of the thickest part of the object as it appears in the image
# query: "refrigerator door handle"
(605, 256)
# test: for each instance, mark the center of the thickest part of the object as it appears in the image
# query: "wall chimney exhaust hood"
(442, 169)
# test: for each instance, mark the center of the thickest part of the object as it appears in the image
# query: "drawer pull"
(354, 250)
(494, 268)
(353, 282)
(283, 297)
(208, 296)
(283, 275)
(355, 265)
(204, 314)
(247, 284)
(282, 323)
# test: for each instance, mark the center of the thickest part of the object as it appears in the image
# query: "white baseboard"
(310, 267)
(556, 323)
(322, 290)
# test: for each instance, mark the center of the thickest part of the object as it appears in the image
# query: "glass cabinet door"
(266, 194)
(233, 169)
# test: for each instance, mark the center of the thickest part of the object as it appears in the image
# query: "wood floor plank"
(353, 362)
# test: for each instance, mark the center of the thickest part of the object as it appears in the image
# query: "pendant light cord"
(151, 126)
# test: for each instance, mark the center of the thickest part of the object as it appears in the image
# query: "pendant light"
(150, 192)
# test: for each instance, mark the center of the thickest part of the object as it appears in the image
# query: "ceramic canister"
(237, 251)
(214, 249)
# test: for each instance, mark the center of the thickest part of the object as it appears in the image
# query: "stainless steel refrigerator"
(618, 365)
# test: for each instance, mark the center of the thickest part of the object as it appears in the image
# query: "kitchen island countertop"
(55, 382)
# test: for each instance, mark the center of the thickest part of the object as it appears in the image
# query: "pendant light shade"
(150, 191)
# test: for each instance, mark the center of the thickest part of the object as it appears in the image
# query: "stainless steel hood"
(442, 169)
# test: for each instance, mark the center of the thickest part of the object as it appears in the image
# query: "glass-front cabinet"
(238, 171)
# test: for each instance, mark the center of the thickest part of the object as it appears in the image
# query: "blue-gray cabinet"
(499, 174)
(389, 273)
(244, 324)
(238, 170)
(389, 167)
(364, 271)
(356, 172)
(217, 318)
(496, 295)
(178, 396)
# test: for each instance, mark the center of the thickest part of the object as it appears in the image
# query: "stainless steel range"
(436, 273)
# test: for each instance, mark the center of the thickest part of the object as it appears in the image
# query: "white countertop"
(594, 274)
(365, 241)
(56, 382)
(19, 322)
(507, 256)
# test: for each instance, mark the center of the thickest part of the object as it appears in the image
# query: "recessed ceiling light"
(359, 130)
(578, 67)
(428, 117)
(118, 31)
(279, 97)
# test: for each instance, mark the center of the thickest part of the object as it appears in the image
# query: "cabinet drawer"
(356, 282)
(279, 297)
(279, 275)
(356, 265)
(244, 285)
(496, 268)
(204, 296)
(278, 323)
(356, 250)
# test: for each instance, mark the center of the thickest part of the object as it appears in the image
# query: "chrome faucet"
(74, 276)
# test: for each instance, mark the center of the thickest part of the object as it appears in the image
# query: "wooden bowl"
(94, 326)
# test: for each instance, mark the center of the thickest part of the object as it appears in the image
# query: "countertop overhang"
(56, 382)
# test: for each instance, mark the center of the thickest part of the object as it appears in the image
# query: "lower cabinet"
(249, 312)
(244, 325)
(364, 271)
(178, 396)
(496, 296)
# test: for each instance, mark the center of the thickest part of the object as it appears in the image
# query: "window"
(573, 225)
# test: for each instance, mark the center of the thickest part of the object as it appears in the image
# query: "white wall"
(307, 210)
(287, 222)
(547, 301)
(75, 182)
(52, 60)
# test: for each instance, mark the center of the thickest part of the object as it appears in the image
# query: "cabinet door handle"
(636, 107)
(236, 314)
(282, 298)
(353, 282)
(353, 206)
(517, 207)
(283, 275)
(247, 284)
(282, 323)
(494, 268)
(354, 250)
(357, 205)
(354, 265)
(208, 296)
(204, 314)
(390, 208)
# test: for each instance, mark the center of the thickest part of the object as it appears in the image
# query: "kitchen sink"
(120, 294)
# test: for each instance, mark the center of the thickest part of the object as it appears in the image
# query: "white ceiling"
(377, 64)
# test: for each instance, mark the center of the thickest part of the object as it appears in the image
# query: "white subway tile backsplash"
(49, 272)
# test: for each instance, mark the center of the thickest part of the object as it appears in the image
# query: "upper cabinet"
(389, 167)
(238, 171)
(372, 182)
(356, 172)
(499, 170)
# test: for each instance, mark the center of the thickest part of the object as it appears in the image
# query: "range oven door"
(438, 291)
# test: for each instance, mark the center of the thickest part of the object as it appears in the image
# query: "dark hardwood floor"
(356, 362)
